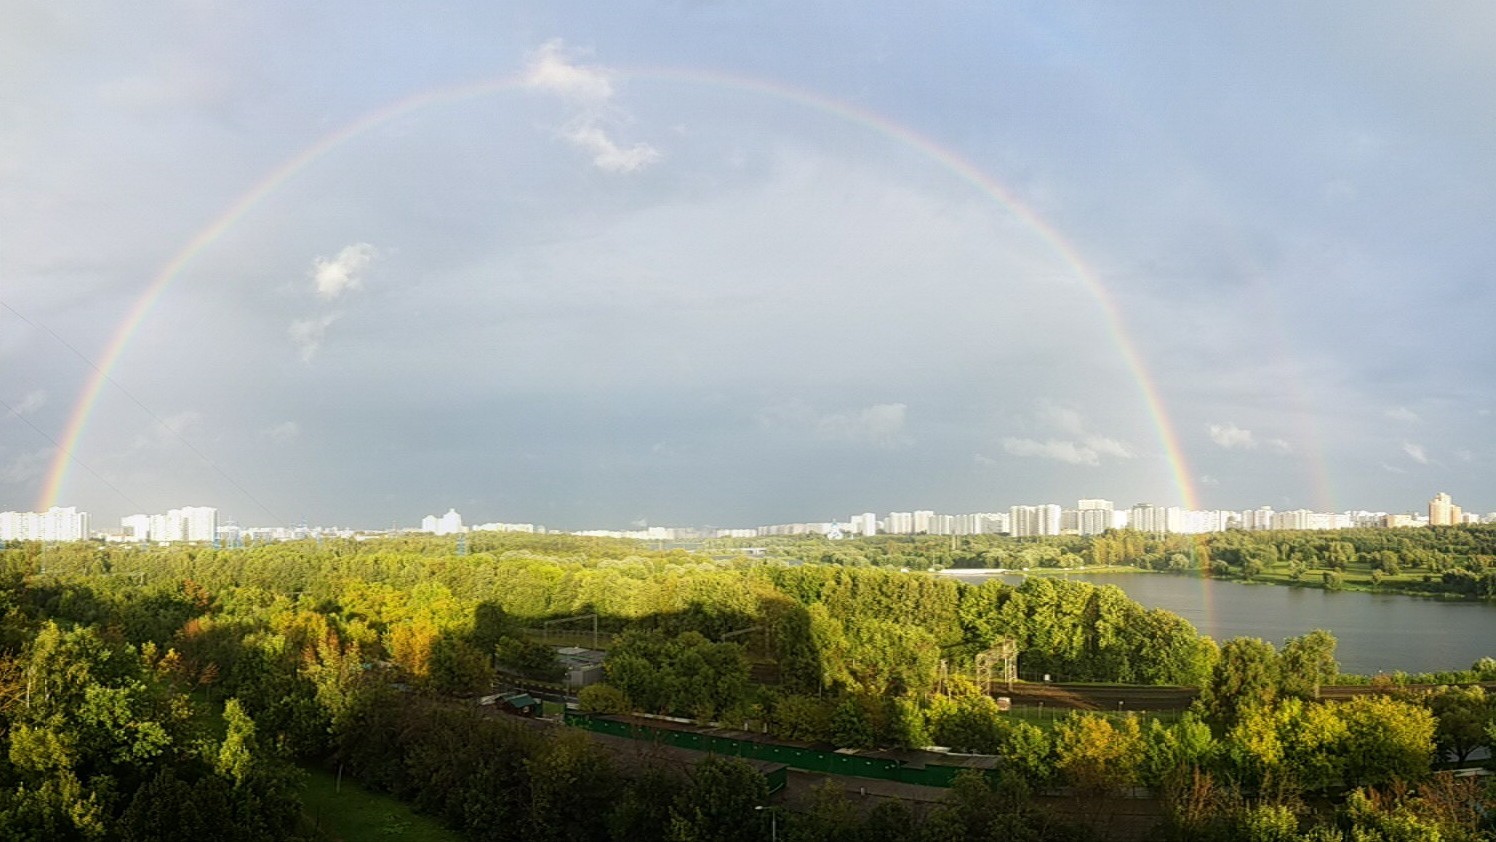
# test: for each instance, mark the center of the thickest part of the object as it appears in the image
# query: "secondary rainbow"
(88, 399)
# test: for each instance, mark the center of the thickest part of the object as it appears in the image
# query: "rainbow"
(88, 399)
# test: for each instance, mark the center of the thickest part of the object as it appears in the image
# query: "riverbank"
(1039, 571)
(1378, 632)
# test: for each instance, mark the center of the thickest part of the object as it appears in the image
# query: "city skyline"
(1090, 516)
(606, 264)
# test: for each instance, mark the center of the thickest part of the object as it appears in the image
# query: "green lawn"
(355, 814)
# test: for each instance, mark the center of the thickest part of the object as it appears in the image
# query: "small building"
(518, 704)
(584, 667)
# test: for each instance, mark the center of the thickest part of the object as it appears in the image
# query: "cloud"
(282, 433)
(307, 334)
(880, 425)
(1060, 451)
(1085, 448)
(1279, 445)
(33, 401)
(608, 155)
(1208, 480)
(25, 467)
(1415, 452)
(344, 272)
(168, 432)
(1232, 437)
(549, 70)
(1402, 413)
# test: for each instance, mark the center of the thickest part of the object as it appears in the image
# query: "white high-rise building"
(190, 523)
(1296, 519)
(865, 524)
(55, 524)
(980, 523)
(922, 522)
(136, 527)
(199, 523)
(448, 524)
(1095, 516)
(1146, 517)
(1260, 518)
(1030, 521)
(900, 523)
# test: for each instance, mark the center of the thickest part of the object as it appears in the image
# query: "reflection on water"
(1377, 632)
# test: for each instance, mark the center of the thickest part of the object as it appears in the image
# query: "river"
(1377, 632)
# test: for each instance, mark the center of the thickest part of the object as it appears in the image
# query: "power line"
(147, 410)
(14, 413)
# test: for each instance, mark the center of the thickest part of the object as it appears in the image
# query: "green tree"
(1308, 663)
(1097, 754)
(1387, 739)
(1461, 714)
(1246, 675)
(719, 802)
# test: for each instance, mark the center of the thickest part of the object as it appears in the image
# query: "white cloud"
(1060, 451)
(33, 401)
(1402, 413)
(282, 433)
(344, 272)
(1085, 448)
(1280, 445)
(1208, 480)
(1232, 437)
(548, 69)
(607, 154)
(1415, 452)
(1108, 447)
(881, 425)
(307, 335)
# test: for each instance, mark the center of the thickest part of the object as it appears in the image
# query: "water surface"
(1377, 632)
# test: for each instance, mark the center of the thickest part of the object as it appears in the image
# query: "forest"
(172, 692)
(1450, 561)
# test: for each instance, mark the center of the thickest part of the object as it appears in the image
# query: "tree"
(719, 802)
(1175, 753)
(1308, 662)
(1247, 674)
(1096, 754)
(1386, 740)
(571, 785)
(1462, 714)
(602, 698)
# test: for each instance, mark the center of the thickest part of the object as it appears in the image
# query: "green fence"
(796, 757)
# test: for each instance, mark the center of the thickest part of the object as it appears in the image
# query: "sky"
(595, 264)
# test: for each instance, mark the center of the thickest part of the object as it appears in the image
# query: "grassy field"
(1357, 578)
(355, 814)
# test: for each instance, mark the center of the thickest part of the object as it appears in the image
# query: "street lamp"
(773, 822)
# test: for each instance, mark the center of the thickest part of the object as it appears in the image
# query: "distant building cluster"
(1090, 516)
(55, 524)
(448, 524)
(190, 524)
